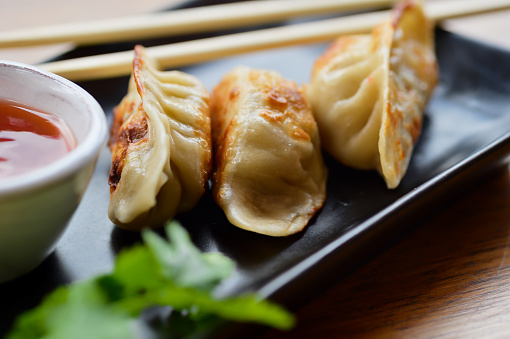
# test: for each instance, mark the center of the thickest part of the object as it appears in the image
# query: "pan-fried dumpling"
(368, 92)
(161, 146)
(269, 174)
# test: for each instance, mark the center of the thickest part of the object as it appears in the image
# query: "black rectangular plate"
(465, 135)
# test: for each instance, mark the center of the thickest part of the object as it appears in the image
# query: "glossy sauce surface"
(30, 139)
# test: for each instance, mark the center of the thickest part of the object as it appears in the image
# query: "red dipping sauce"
(30, 139)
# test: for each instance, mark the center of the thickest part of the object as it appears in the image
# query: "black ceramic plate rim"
(499, 148)
(403, 202)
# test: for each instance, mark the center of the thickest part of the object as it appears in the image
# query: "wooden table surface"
(448, 278)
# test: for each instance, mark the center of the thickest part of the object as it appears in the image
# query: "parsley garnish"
(158, 273)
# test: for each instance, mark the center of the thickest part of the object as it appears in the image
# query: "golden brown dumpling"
(269, 174)
(161, 146)
(368, 92)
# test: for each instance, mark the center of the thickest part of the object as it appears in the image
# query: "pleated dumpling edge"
(369, 92)
(161, 146)
(269, 174)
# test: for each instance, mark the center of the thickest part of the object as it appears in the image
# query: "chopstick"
(193, 20)
(189, 52)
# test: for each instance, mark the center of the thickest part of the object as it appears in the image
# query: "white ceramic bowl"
(36, 207)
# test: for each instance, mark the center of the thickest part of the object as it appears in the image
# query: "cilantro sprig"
(160, 272)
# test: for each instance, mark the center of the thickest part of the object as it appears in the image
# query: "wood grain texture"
(450, 278)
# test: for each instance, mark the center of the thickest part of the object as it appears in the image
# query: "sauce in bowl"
(30, 139)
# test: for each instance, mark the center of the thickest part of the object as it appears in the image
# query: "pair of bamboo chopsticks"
(218, 17)
(164, 24)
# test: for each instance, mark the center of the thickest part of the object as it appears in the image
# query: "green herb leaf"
(182, 263)
(161, 272)
(78, 311)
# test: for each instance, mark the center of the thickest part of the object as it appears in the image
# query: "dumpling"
(269, 174)
(161, 146)
(368, 92)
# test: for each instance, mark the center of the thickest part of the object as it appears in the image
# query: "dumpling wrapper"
(161, 146)
(269, 173)
(368, 92)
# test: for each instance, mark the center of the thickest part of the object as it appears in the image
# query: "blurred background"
(490, 27)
